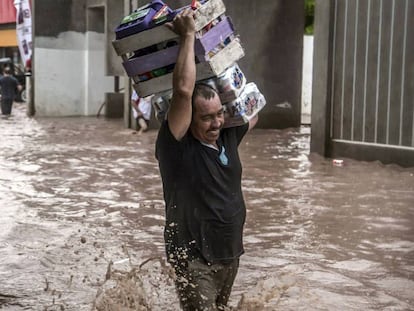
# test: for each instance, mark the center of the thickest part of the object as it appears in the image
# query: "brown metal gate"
(364, 56)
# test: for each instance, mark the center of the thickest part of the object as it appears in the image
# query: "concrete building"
(77, 71)
(69, 57)
(8, 38)
(363, 74)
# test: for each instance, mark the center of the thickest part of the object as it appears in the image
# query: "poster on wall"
(24, 30)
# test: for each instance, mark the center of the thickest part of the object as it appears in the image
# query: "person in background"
(9, 87)
(141, 111)
(201, 176)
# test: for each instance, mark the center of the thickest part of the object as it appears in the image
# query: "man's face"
(208, 119)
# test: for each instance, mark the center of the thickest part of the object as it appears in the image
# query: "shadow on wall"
(282, 72)
(114, 105)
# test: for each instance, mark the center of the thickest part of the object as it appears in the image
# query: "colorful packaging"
(230, 83)
(245, 107)
(236, 112)
(161, 103)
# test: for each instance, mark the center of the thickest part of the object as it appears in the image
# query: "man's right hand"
(183, 23)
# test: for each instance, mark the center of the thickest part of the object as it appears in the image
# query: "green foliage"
(309, 16)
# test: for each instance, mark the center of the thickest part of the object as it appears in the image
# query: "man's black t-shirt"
(205, 210)
(8, 86)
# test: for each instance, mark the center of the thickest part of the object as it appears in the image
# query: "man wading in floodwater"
(201, 175)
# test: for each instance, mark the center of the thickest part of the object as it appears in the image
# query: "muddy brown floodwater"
(82, 218)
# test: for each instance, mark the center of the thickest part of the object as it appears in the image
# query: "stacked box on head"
(149, 51)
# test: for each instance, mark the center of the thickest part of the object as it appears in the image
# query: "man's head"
(208, 114)
(7, 71)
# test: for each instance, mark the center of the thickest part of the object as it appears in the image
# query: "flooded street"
(82, 212)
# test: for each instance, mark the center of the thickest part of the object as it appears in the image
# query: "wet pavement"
(81, 221)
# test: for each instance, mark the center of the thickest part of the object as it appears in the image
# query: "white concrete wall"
(69, 72)
(307, 79)
(98, 83)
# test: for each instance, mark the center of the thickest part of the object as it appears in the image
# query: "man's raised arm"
(184, 75)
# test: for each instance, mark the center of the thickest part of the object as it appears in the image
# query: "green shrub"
(309, 16)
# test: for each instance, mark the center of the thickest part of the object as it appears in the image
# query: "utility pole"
(30, 102)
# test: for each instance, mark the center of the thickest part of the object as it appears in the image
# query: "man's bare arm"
(253, 121)
(184, 75)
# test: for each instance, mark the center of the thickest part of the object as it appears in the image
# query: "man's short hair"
(203, 90)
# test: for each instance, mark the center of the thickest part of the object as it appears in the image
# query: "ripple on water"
(357, 265)
(328, 228)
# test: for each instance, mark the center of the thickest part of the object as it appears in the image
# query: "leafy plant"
(309, 16)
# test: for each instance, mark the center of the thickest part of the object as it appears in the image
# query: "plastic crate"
(204, 15)
(165, 53)
(225, 58)
(142, 19)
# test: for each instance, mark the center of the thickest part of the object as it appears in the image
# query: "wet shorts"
(205, 287)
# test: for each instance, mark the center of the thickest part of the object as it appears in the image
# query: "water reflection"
(80, 195)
